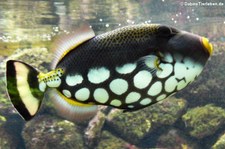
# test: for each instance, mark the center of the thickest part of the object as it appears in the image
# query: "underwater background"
(194, 118)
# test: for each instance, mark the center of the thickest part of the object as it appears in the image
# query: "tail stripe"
(30, 102)
(22, 86)
(13, 91)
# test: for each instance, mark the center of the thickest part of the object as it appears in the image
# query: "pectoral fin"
(150, 63)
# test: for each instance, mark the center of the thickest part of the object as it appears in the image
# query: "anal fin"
(70, 109)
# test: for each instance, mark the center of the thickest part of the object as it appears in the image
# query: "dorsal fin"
(64, 43)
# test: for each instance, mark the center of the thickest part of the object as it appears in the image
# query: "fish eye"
(174, 31)
(164, 31)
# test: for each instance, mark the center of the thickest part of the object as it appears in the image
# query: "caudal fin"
(23, 88)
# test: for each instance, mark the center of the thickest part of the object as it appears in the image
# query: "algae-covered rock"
(174, 139)
(204, 121)
(134, 126)
(5, 105)
(6, 140)
(220, 143)
(109, 141)
(2, 120)
(38, 57)
(51, 132)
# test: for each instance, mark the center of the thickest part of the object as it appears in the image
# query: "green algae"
(204, 121)
(2, 119)
(220, 143)
(175, 139)
(52, 132)
(134, 126)
(108, 141)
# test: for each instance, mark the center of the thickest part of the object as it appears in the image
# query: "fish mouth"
(207, 45)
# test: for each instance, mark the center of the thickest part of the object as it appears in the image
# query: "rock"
(38, 57)
(6, 140)
(6, 107)
(204, 121)
(173, 139)
(134, 126)
(220, 143)
(94, 129)
(51, 132)
(108, 141)
(12, 129)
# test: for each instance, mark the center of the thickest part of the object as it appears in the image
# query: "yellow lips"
(208, 46)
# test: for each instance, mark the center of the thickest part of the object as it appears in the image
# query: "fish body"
(128, 68)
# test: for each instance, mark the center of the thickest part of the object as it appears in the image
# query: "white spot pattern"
(98, 75)
(145, 101)
(67, 93)
(193, 72)
(73, 80)
(132, 97)
(101, 95)
(130, 106)
(127, 68)
(167, 69)
(54, 83)
(181, 85)
(116, 103)
(161, 97)
(42, 86)
(180, 70)
(155, 89)
(142, 79)
(118, 86)
(170, 84)
(82, 94)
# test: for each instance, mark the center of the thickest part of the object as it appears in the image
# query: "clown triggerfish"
(128, 68)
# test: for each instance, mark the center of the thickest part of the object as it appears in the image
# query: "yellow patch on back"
(50, 75)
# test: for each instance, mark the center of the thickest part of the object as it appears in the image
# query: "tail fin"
(23, 88)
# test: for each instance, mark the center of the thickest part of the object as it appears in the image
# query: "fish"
(128, 68)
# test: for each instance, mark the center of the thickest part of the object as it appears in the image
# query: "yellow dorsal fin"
(64, 43)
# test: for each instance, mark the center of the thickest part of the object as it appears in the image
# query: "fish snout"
(207, 45)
